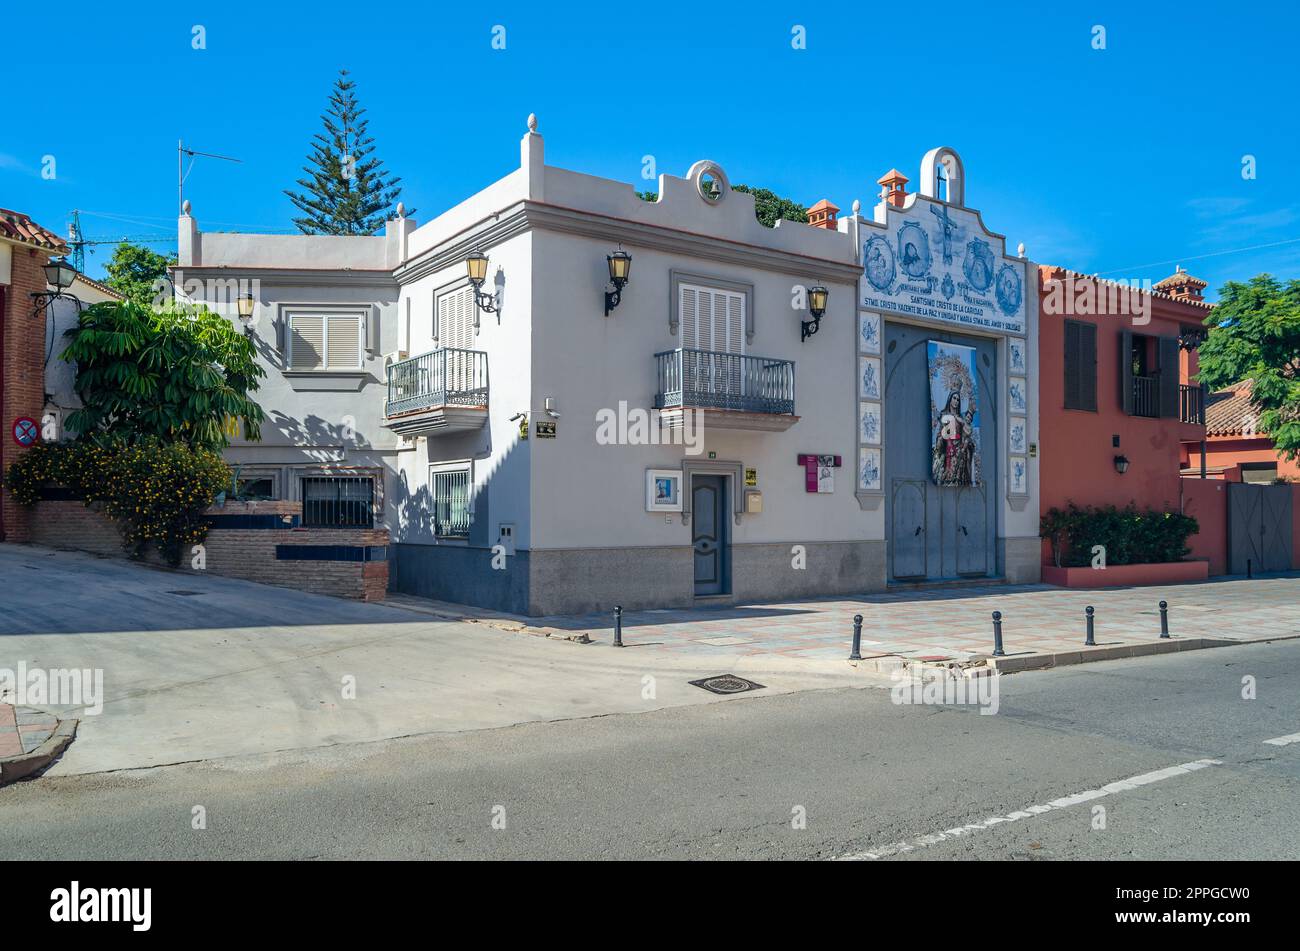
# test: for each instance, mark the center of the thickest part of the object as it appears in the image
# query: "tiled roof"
(1229, 411)
(15, 226)
(1154, 292)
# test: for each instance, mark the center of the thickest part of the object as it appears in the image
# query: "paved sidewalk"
(938, 624)
(23, 729)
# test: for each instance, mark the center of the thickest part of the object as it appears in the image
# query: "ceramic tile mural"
(869, 472)
(1019, 434)
(869, 423)
(1019, 476)
(869, 378)
(1016, 362)
(868, 332)
(1018, 401)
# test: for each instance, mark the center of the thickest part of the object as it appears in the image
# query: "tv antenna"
(181, 174)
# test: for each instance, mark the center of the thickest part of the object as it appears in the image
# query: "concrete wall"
(1206, 500)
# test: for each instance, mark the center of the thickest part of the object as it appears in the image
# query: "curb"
(1085, 655)
(15, 768)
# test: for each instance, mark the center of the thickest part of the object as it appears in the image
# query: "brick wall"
(252, 552)
(24, 374)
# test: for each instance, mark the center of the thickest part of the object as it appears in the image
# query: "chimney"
(894, 188)
(822, 215)
(1182, 286)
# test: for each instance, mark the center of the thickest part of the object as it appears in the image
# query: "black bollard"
(618, 625)
(997, 635)
(1164, 618)
(857, 638)
(1089, 642)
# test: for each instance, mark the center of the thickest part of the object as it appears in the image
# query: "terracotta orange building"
(1118, 394)
(1235, 449)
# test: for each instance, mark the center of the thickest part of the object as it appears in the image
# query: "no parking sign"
(25, 431)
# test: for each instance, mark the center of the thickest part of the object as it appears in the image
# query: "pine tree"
(345, 192)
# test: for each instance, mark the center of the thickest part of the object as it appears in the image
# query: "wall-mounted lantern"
(620, 266)
(817, 296)
(476, 266)
(59, 274)
(1121, 464)
(245, 304)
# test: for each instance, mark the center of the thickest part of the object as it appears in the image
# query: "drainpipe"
(1202, 458)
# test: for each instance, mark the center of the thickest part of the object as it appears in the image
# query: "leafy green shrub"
(1130, 536)
(155, 491)
(178, 374)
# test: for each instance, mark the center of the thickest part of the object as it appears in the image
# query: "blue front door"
(709, 533)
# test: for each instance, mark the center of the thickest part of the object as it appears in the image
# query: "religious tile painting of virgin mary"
(954, 414)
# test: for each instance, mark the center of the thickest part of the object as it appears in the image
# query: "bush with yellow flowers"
(156, 492)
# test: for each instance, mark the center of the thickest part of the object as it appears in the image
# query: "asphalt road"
(729, 780)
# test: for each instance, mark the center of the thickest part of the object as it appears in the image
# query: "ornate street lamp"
(817, 296)
(59, 274)
(620, 266)
(476, 267)
(1121, 464)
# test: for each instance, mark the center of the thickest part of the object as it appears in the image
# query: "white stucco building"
(531, 449)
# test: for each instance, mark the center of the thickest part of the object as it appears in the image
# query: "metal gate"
(1259, 527)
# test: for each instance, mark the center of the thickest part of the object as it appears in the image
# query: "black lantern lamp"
(1121, 464)
(620, 266)
(476, 267)
(817, 296)
(59, 274)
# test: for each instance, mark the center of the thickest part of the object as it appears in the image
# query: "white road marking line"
(1121, 785)
(1284, 740)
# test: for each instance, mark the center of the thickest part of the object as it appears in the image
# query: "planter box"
(1116, 576)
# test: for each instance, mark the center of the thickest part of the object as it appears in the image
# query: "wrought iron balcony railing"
(442, 378)
(734, 381)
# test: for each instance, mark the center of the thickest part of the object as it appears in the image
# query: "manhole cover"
(186, 594)
(726, 683)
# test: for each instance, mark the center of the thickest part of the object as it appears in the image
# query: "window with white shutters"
(325, 341)
(455, 310)
(712, 320)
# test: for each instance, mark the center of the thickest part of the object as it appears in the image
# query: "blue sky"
(1113, 160)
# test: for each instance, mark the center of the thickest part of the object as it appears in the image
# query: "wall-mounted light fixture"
(1121, 464)
(476, 266)
(245, 305)
(59, 274)
(817, 296)
(620, 266)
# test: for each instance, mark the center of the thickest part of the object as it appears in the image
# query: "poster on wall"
(954, 414)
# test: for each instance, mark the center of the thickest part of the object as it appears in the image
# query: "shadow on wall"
(461, 570)
(316, 436)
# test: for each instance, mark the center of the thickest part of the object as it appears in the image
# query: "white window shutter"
(735, 323)
(306, 342)
(689, 311)
(343, 341)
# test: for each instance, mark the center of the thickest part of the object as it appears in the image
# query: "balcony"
(734, 391)
(1191, 404)
(1146, 396)
(440, 392)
